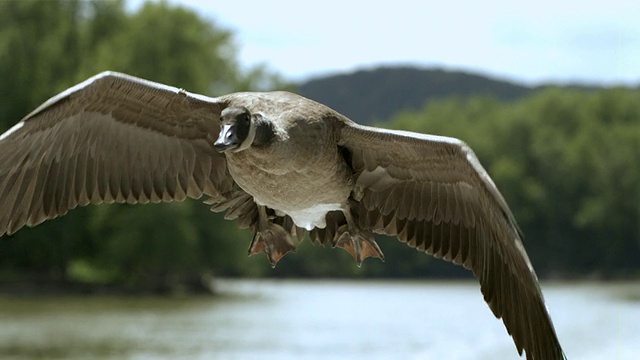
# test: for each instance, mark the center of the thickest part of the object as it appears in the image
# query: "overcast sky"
(528, 41)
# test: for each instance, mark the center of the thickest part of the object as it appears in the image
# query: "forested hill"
(565, 159)
(369, 95)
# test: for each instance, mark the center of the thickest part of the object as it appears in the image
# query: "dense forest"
(567, 160)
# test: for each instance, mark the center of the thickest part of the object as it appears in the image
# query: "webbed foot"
(360, 245)
(271, 239)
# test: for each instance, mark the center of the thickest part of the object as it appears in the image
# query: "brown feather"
(113, 138)
(123, 139)
(455, 212)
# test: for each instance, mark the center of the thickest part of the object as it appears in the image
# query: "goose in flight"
(283, 166)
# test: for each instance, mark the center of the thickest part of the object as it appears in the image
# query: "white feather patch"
(13, 129)
(314, 216)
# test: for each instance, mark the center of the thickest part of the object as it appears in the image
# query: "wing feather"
(433, 193)
(112, 138)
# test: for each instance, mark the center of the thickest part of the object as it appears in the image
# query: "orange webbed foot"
(361, 245)
(274, 241)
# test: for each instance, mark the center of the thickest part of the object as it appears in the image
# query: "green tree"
(47, 46)
(568, 163)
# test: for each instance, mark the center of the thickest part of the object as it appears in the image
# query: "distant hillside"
(378, 94)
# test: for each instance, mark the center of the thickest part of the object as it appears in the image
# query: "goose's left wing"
(433, 193)
(111, 138)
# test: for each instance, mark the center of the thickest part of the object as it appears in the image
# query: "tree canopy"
(568, 163)
(566, 160)
(47, 46)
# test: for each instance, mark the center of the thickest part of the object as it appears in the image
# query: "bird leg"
(271, 239)
(357, 241)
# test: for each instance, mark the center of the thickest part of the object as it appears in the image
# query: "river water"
(270, 319)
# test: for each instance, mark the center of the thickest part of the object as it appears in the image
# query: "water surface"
(314, 320)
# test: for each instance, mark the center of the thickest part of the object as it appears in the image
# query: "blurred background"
(547, 95)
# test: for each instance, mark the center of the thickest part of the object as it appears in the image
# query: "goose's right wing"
(433, 193)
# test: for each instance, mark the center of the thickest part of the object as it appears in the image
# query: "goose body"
(306, 186)
(281, 165)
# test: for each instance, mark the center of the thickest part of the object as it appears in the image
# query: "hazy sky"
(530, 41)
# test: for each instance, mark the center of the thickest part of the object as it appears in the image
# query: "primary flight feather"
(283, 166)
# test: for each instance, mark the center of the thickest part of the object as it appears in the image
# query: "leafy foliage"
(568, 163)
(567, 160)
(46, 47)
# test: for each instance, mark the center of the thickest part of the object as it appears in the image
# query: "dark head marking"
(235, 129)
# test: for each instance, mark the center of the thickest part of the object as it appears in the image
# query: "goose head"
(237, 129)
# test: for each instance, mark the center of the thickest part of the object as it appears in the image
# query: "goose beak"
(227, 139)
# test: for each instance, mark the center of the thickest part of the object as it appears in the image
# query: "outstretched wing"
(112, 138)
(432, 193)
